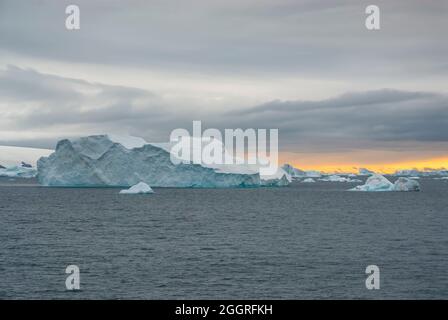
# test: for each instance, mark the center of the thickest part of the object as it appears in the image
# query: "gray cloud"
(373, 119)
(310, 38)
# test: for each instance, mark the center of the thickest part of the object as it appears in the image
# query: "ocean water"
(305, 241)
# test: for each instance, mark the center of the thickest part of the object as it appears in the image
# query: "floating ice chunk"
(309, 180)
(405, 184)
(376, 182)
(139, 188)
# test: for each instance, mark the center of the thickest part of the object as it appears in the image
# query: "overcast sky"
(309, 68)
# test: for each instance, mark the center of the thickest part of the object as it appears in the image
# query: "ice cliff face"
(99, 161)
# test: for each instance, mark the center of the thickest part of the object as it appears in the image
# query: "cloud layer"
(308, 68)
(54, 107)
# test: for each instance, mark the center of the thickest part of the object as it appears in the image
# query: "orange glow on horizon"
(439, 163)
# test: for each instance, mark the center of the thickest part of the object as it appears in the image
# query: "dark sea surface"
(300, 242)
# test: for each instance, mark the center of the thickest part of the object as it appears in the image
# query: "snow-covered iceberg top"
(139, 188)
(378, 182)
(111, 160)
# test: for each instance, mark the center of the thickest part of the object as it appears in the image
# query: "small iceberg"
(139, 188)
(375, 182)
(308, 180)
(406, 184)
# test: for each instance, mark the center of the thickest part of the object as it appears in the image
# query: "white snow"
(375, 182)
(139, 188)
(414, 178)
(405, 184)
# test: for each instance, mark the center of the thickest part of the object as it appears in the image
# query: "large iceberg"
(108, 160)
(405, 184)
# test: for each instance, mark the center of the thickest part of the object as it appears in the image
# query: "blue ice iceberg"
(107, 160)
